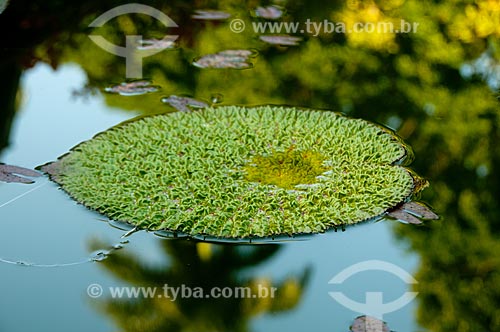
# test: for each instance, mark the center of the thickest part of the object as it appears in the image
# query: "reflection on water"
(187, 301)
(485, 66)
(411, 82)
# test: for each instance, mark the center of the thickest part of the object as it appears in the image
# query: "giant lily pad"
(232, 172)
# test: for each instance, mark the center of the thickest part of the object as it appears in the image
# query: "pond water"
(435, 87)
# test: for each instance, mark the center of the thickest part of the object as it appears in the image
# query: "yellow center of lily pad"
(286, 169)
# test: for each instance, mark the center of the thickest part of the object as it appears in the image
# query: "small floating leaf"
(404, 216)
(235, 59)
(134, 88)
(269, 12)
(237, 53)
(157, 44)
(209, 14)
(182, 103)
(285, 40)
(419, 210)
(7, 174)
(231, 172)
(413, 212)
(369, 324)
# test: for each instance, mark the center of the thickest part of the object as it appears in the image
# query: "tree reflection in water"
(416, 83)
(198, 266)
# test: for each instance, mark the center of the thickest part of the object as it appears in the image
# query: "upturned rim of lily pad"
(51, 169)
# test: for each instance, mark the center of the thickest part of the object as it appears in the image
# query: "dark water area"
(434, 82)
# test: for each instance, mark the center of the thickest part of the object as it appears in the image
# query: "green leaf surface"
(233, 172)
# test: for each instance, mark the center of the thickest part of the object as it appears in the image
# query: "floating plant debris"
(241, 53)
(412, 213)
(285, 40)
(369, 324)
(182, 104)
(269, 12)
(420, 210)
(8, 174)
(210, 14)
(97, 256)
(236, 59)
(232, 172)
(134, 88)
(157, 44)
(405, 217)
